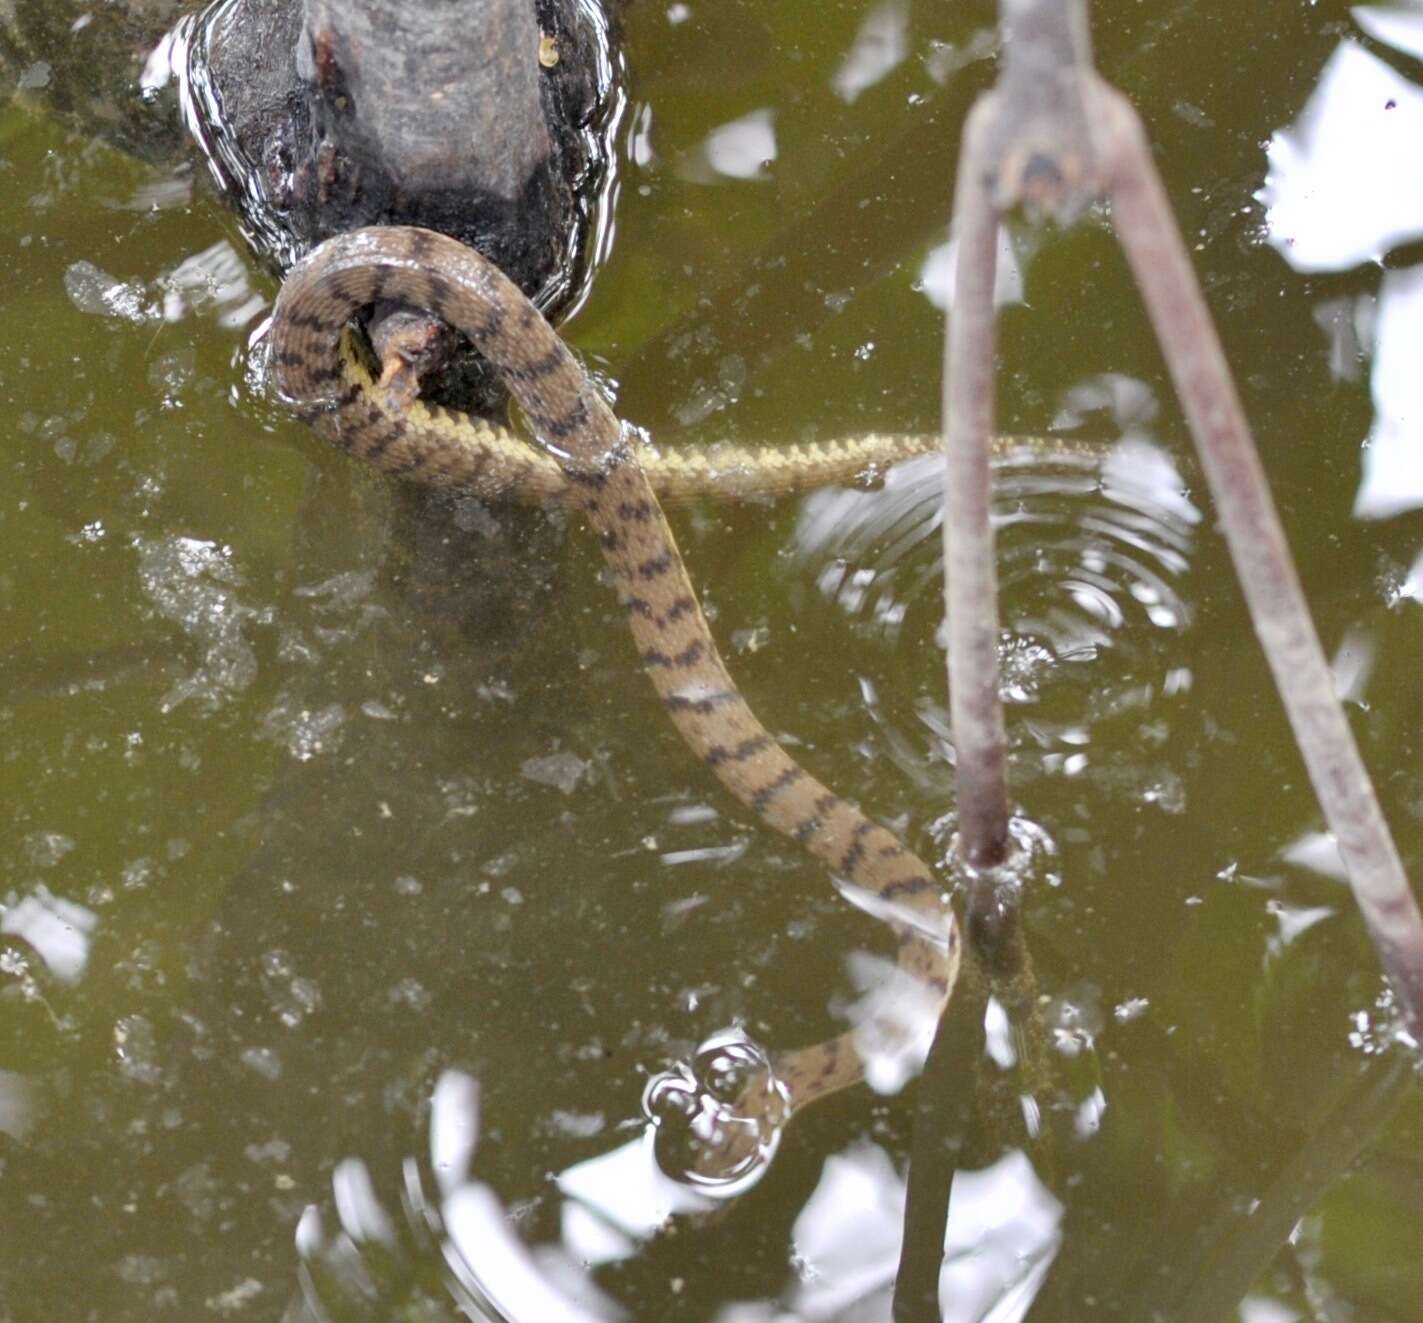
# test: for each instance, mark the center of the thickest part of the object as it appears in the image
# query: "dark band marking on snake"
(597, 466)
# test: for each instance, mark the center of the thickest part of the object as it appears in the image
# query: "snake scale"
(594, 463)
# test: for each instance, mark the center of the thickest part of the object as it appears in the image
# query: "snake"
(579, 453)
(487, 458)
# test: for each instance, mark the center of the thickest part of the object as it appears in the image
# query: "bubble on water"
(718, 1118)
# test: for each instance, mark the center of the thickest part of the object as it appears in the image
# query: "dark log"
(341, 113)
(445, 94)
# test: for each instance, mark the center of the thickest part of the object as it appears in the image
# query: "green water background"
(326, 874)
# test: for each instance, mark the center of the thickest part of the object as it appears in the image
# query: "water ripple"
(1093, 545)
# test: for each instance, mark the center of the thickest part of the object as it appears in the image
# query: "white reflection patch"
(1293, 921)
(454, 1129)
(879, 47)
(217, 279)
(1400, 28)
(625, 1200)
(893, 1020)
(60, 931)
(482, 1243)
(1393, 456)
(1318, 852)
(1343, 185)
(1353, 665)
(1411, 588)
(742, 149)
(1003, 1233)
(939, 275)
(1257, 1309)
(362, 1216)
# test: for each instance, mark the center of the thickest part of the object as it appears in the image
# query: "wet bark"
(325, 116)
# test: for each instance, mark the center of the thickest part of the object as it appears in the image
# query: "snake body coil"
(443, 448)
(591, 461)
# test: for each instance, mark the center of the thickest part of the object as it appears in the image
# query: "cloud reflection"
(1343, 188)
(1393, 455)
(742, 149)
(879, 48)
(1003, 1234)
(488, 1271)
(1343, 185)
(1004, 1231)
(1399, 28)
(58, 930)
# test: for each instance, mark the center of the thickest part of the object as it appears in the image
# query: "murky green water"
(344, 810)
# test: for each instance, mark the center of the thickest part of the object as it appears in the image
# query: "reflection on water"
(938, 275)
(1343, 186)
(345, 856)
(879, 47)
(59, 931)
(1343, 189)
(744, 149)
(1393, 453)
(453, 1251)
(216, 280)
(1002, 1236)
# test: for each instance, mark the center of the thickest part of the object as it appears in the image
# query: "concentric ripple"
(1093, 544)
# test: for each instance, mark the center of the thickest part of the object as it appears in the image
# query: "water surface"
(311, 823)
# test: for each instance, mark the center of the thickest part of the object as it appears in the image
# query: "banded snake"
(595, 464)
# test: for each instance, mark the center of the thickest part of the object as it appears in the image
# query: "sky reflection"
(1003, 1233)
(59, 931)
(1344, 189)
(1343, 185)
(1393, 455)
